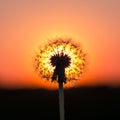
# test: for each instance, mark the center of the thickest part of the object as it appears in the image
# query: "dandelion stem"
(61, 100)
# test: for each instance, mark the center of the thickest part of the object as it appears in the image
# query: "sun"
(74, 59)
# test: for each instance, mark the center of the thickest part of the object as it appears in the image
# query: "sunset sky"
(27, 24)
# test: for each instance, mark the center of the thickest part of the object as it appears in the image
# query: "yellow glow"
(43, 65)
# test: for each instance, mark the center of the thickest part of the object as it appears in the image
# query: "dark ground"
(80, 103)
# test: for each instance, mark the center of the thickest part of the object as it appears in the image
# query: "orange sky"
(26, 24)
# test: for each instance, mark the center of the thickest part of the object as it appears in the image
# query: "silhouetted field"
(80, 103)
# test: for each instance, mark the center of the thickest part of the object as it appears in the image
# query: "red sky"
(26, 24)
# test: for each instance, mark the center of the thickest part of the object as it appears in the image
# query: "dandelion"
(60, 61)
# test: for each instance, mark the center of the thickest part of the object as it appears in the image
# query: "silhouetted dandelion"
(71, 55)
(60, 61)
